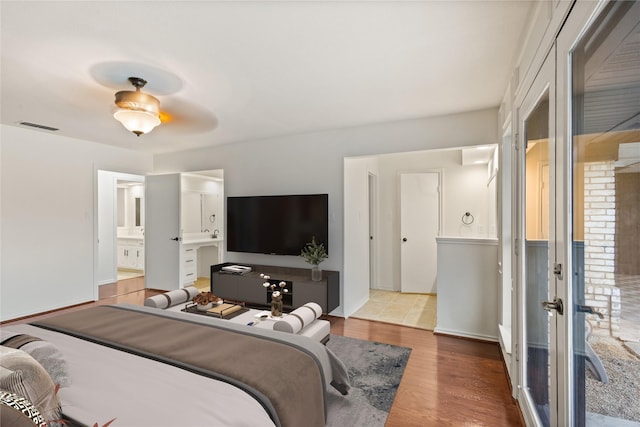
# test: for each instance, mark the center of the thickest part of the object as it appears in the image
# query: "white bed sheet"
(138, 392)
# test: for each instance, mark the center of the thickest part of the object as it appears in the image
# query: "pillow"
(29, 380)
(299, 318)
(16, 411)
(172, 298)
(46, 353)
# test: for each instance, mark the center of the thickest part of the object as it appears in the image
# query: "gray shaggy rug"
(375, 371)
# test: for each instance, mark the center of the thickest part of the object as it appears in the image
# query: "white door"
(419, 227)
(162, 232)
(107, 258)
(372, 189)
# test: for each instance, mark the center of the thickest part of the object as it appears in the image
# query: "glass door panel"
(605, 236)
(537, 256)
(536, 128)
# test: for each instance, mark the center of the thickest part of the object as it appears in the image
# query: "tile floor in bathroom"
(416, 310)
(124, 274)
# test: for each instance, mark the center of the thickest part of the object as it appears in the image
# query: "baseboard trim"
(22, 319)
(461, 334)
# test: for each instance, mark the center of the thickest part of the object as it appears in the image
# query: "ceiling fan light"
(138, 112)
(137, 121)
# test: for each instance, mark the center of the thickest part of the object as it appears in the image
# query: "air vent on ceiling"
(35, 125)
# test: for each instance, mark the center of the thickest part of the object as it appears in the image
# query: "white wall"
(468, 288)
(356, 222)
(313, 163)
(48, 221)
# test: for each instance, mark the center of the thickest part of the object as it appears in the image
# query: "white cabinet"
(189, 265)
(131, 255)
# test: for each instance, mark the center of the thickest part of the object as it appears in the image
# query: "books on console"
(223, 309)
(236, 269)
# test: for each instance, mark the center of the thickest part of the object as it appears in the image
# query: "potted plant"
(314, 253)
(204, 300)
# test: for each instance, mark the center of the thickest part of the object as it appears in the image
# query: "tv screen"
(279, 225)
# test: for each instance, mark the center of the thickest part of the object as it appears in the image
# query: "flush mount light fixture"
(138, 112)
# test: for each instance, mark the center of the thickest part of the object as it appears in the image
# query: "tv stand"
(248, 287)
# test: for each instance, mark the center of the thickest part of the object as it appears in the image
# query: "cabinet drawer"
(189, 277)
(188, 255)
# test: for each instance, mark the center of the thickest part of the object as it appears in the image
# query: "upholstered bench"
(304, 320)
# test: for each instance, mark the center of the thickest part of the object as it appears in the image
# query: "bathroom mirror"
(138, 212)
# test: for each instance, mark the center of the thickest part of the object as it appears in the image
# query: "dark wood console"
(248, 287)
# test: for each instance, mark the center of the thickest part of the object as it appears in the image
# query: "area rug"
(375, 371)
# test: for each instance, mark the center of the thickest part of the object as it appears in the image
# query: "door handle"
(589, 309)
(556, 305)
(177, 239)
(404, 239)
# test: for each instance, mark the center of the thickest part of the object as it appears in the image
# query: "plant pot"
(316, 273)
(204, 307)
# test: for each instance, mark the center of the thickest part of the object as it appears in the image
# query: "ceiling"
(229, 72)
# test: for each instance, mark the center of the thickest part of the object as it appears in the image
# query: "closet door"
(598, 68)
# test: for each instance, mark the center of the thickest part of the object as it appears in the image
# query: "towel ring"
(467, 218)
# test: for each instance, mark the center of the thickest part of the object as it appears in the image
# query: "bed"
(169, 368)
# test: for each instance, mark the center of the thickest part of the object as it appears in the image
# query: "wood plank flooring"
(448, 381)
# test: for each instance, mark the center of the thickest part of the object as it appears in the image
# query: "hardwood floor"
(447, 382)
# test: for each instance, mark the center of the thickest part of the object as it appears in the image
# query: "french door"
(599, 120)
(579, 205)
(540, 306)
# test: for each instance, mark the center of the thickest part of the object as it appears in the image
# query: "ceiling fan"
(141, 112)
(137, 111)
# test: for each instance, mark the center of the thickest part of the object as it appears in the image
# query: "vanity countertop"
(200, 240)
(131, 237)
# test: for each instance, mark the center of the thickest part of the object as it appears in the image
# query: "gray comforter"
(287, 374)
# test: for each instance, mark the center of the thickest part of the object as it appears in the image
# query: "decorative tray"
(226, 310)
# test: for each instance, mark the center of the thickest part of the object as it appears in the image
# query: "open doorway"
(130, 227)
(120, 260)
(464, 179)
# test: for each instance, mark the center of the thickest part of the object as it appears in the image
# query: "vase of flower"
(276, 305)
(276, 294)
(314, 253)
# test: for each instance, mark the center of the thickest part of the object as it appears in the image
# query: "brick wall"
(599, 240)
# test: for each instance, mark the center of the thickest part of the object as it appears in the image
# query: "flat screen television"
(277, 225)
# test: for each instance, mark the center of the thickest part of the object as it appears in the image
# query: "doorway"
(464, 174)
(185, 233)
(120, 225)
